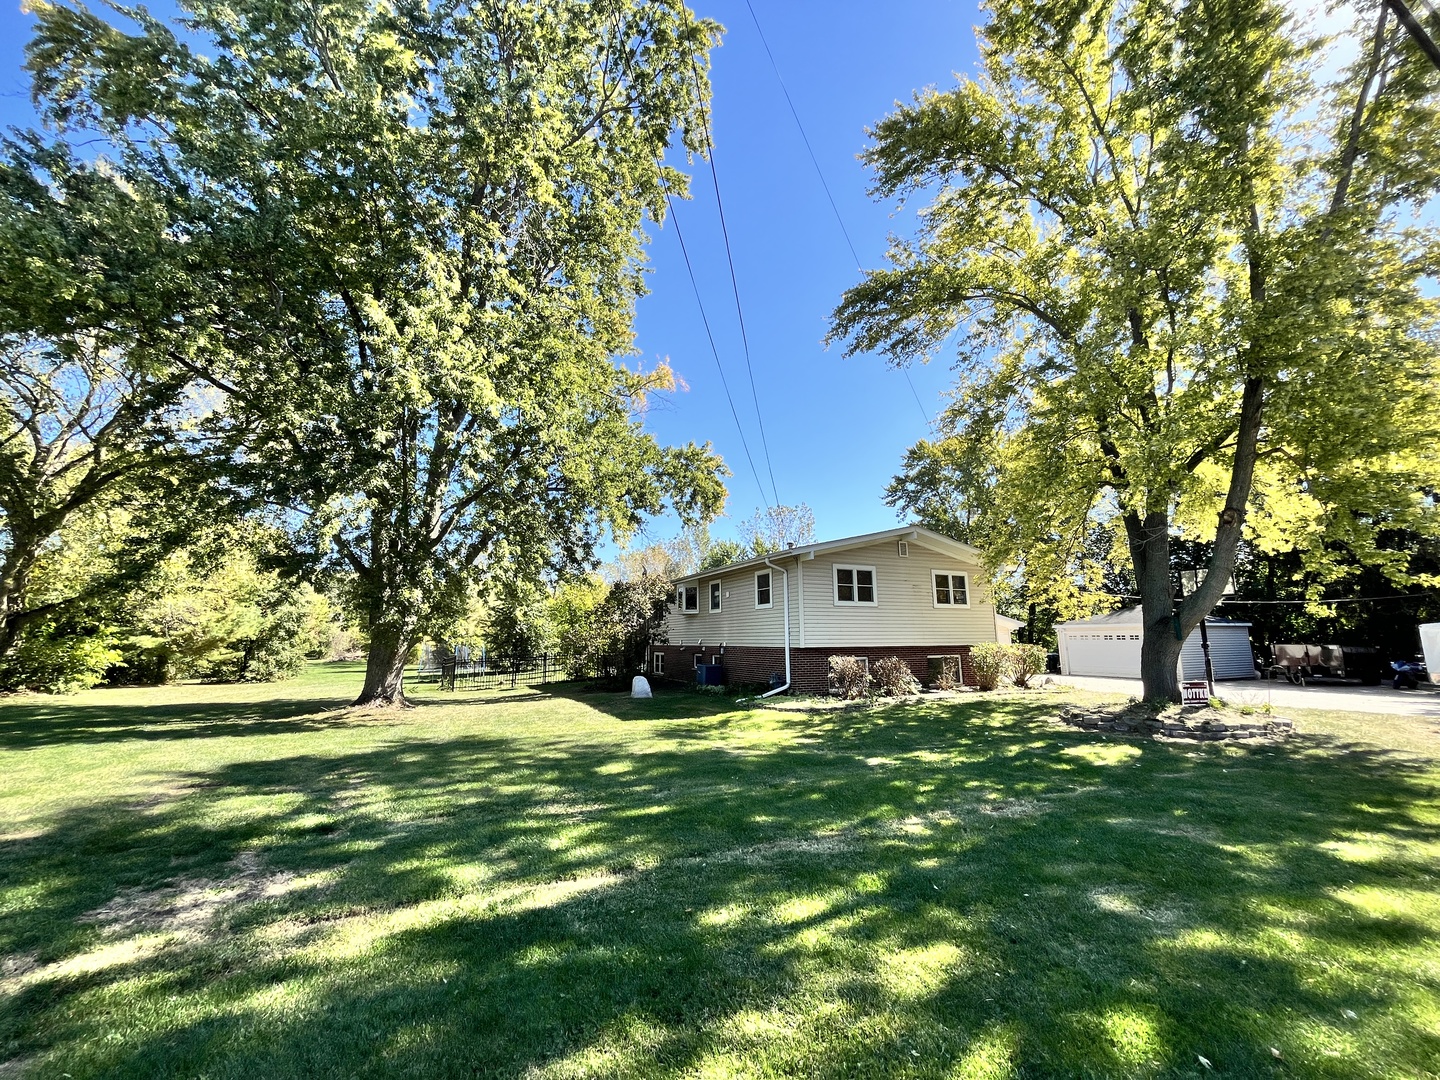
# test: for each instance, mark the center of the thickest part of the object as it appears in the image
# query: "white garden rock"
(640, 687)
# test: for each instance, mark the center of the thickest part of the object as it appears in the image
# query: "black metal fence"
(462, 669)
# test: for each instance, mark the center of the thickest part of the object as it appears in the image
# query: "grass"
(258, 882)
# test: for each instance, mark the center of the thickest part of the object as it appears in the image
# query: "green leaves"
(421, 228)
(1166, 281)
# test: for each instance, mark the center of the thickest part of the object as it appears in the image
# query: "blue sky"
(835, 428)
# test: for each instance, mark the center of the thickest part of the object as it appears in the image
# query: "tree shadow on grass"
(912, 891)
(31, 724)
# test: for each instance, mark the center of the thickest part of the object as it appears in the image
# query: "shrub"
(1026, 661)
(989, 661)
(848, 675)
(59, 656)
(894, 678)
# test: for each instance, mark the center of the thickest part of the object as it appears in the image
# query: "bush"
(59, 656)
(894, 678)
(848, 675)
(1026, 661)
(990, 660)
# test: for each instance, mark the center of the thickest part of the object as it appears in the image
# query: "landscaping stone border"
(1200, 725)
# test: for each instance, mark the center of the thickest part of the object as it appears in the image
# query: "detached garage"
(1109, 645)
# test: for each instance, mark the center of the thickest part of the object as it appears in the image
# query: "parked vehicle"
(1408, 674)
(1301, 663)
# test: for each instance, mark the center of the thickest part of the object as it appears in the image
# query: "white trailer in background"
(1430, 648)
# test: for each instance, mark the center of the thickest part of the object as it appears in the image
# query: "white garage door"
(1115, 653)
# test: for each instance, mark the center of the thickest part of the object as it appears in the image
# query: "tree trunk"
(390, 643)
(1149, 539)
(1160, 661)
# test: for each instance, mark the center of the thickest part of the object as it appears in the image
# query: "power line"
(735, 287)
(1228, 601)
(1339, 600)
(694, 284)
(839, 220)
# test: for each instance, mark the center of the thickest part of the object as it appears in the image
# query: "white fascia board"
(806, 552)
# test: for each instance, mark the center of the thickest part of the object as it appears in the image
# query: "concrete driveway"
(1423, 701)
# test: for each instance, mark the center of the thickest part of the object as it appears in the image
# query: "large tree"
(93, 412)
(425, 224)
(1191, 303)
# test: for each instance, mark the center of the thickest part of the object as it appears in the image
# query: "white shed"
(1109, 645)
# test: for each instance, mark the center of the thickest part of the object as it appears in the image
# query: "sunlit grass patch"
(244, 882)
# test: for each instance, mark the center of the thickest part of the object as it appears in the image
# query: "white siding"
(738, 622)
(904, 612)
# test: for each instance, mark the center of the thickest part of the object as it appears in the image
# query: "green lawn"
(255, 882)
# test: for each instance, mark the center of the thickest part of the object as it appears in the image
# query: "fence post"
(544, 668)
(514, 671)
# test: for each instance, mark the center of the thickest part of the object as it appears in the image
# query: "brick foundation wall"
(809, 667)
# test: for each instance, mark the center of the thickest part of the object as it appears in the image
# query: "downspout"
(786, 686)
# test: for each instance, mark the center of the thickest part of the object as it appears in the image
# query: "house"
(1109, 645)
(906, 592)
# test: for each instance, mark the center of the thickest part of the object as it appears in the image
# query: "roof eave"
(806, 552)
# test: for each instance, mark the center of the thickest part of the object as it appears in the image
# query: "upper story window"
(762, 589)
(854, 584)
(951, 590)
(715, 593)
(688, 598)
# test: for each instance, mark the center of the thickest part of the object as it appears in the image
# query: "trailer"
(1430, 648)
(1301, 663)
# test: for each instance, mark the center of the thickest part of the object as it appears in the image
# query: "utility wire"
(694, 284)
(823, 182)
(706, 117)
(1340, 600)
(1228, 601)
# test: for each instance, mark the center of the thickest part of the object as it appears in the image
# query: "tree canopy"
(416, 237)
(1188, 281)
(93, 413)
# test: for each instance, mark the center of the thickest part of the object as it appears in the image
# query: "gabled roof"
(1131, 616)
(925, 537)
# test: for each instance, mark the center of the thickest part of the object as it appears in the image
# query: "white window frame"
(715, 592)
(657, 663)
(699, 659)
(835, 569)
(680, 591)
(769, 588)
(902, 549)
(950, 576)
